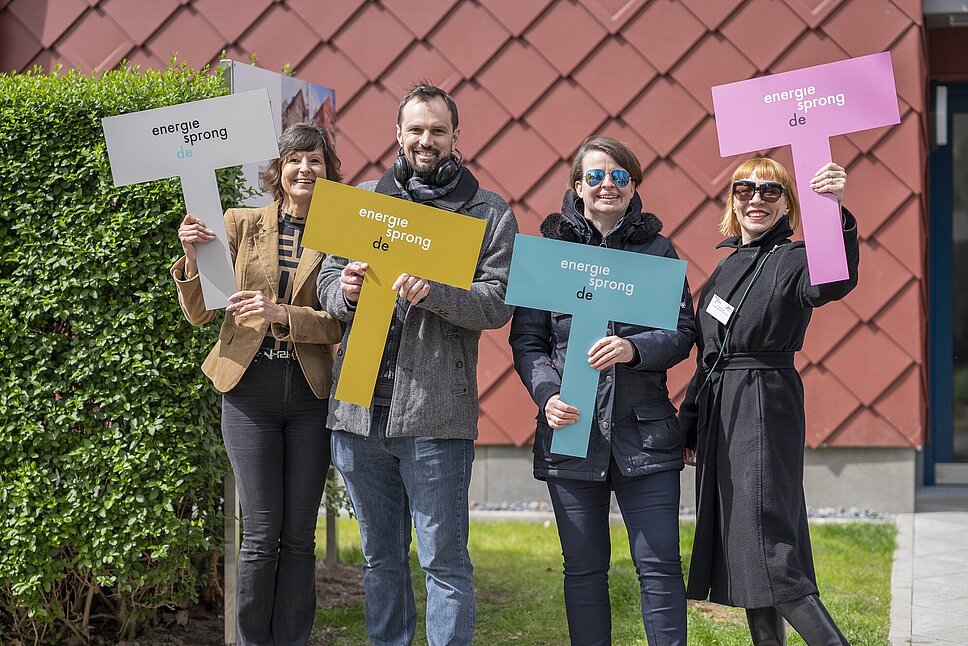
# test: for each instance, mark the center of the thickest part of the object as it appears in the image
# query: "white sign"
(190, 141)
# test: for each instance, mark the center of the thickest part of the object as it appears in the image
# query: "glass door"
(946, 454)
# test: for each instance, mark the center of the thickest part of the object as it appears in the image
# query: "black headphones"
(441, 175)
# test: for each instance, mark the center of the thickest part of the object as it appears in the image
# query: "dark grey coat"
(435, 389)
(635, 421)
(752, 545)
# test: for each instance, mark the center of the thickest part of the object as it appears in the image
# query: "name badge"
(719, 309)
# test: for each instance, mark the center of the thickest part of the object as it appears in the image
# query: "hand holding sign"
(804, 108)
(190, 141)
(391, 241)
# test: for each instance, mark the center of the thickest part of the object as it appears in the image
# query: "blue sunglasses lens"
(595, 176)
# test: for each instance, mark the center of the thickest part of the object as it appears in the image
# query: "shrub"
(110, 455)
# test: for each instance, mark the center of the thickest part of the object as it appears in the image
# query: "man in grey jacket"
(408, 457)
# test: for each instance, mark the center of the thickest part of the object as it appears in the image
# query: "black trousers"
(274, 431)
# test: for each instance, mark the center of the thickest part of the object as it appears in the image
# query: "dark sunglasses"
(744, 190)
(620, 177)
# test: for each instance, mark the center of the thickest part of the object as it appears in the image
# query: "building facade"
(886, 390)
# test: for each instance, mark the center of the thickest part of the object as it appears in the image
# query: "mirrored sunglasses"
(744, 190)
(620, 177)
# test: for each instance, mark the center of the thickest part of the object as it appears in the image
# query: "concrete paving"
(929, 584)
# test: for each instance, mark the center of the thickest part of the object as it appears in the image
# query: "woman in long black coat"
(743, 410)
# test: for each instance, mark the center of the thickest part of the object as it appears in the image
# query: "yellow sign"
(393, 237)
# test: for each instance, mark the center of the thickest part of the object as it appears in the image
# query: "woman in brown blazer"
(273, 363)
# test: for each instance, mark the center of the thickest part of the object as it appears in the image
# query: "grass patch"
(517, 569)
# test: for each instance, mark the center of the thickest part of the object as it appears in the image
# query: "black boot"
(766, 626)
(810, 618)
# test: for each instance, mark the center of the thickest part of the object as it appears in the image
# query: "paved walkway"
(929, 585)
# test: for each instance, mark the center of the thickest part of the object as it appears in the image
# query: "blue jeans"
(650, 508)
(392, 482)
(274, 433)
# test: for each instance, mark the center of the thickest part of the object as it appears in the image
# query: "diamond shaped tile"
(902, 319)
(96, 42)
(867, 429)
(904, 235)
(469, 37)
(714, 61)
(325, 18)
(613, 14)
(516, 15)
(490, 432)
(494, 359)
(910, 67)
(17, 45)
(352, 160)
(488, 181)
(563, 115)
(231, 18)
(517, 76)
(712, 13)
(274, 52)
(828, 327)
(876, 191)
(614, 85)
(139, 19)
(370, 122)
(566, 34)
(699, 155)
(827, 404)
(668, 192)
(618, 129)
(419, 16)
(482, 117)
(851, 363)
(880, 278)
(328, 66)
(373, 55)
(902, 150)
(420, 62)
(46, 59)
(904, 405)
(664, 114)
(843, 151)
(813, 12)
(47, 23)
(145, 60)
(679, 376)
(517, 172)
(913, 9)
(548, 192)
(696, 277)
(663, 32)
(785, 28)
(509, 405)
(698, 236)
(812, 48)
(851, 25)
(529, 222)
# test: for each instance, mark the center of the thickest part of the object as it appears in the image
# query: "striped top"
(290, 250)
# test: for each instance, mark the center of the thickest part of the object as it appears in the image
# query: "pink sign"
(804, 108)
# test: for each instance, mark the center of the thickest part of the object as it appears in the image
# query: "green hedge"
(110, 456)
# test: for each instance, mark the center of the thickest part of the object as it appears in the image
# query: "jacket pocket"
(657, 425)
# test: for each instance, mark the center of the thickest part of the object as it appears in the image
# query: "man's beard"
(425, 172)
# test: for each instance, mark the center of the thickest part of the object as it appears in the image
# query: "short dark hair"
(617, 150)
(423, 92)
(301, 137)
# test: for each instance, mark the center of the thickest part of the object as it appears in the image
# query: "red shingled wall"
(532, 79)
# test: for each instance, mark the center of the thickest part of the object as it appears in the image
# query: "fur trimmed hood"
(570, 225)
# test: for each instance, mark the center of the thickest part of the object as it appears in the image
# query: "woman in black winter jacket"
(636, 447)
(743, 410)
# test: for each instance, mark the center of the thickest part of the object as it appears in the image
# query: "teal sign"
(596, 285)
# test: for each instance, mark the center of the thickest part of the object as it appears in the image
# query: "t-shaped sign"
(190, 141)
(393, 237)
(804, 108)
(595, 285)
